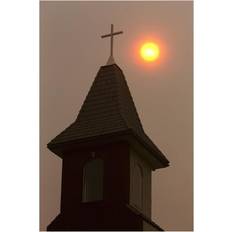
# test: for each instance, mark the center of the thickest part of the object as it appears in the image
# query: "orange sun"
(150, 51)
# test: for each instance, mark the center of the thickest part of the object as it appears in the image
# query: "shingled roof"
(107, 109)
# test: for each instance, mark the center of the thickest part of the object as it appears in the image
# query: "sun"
(150, 51)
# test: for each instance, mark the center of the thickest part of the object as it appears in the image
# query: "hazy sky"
(72, 53)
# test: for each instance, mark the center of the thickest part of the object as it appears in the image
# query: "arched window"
(93, 181)
(138, 188)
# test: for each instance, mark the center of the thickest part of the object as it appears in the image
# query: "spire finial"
(111, 35)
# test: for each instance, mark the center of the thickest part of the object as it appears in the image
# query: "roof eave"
(154, 156)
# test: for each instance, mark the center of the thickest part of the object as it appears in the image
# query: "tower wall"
(116, 176)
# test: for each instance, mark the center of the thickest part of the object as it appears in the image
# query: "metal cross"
(111, 35)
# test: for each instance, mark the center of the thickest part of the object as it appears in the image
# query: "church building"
(107, 160)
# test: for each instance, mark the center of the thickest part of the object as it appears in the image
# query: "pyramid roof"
(108, 109)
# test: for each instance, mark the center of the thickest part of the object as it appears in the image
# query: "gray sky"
(72, 52)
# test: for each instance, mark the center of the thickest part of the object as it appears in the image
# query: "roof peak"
(110, 61)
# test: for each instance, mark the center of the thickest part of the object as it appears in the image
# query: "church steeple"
(107, 160)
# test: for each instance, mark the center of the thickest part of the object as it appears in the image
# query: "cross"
(111, 35)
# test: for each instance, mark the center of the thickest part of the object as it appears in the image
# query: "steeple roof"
(108, 109)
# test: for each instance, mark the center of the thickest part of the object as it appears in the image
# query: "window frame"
(84, 182)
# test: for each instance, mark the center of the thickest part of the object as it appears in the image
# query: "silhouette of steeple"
(107, 160)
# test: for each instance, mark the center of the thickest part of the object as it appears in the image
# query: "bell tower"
(107, 161)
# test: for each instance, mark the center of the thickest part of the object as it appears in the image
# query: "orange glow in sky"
(150, 51)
